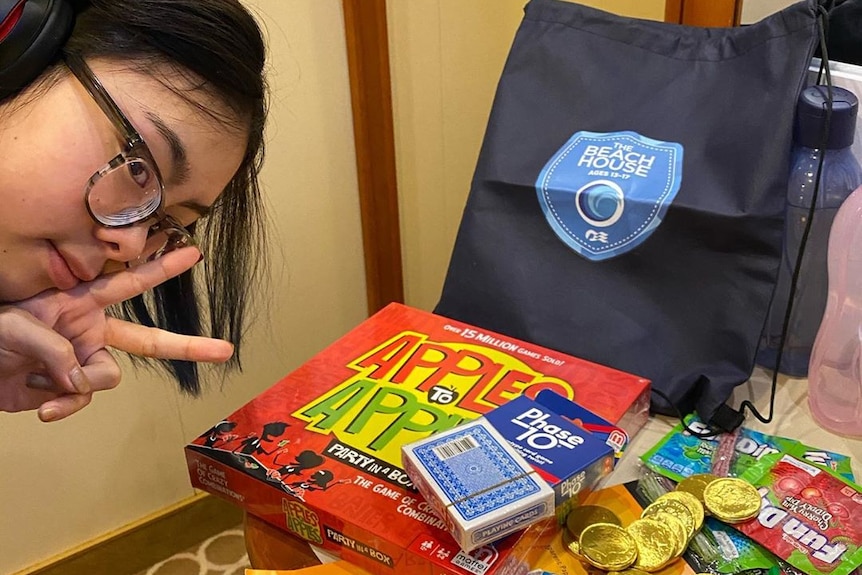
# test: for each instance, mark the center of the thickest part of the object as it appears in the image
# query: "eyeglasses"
(128, 189)
(166, 235)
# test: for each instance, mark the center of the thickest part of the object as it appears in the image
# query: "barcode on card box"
(455, 447)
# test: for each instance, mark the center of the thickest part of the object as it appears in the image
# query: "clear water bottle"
(835, 373)
(840, 176)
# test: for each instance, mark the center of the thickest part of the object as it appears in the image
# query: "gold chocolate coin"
(693, 503)
(680, 534)
(732, 500)
(673, 507)
(629, 571)
(583, 516)
(655, 543)
(695, 484)
(571, 544)
(608, 547)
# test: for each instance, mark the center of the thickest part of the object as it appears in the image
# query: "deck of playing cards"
(477, 483)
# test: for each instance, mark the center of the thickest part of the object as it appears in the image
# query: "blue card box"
(571, 460)
(477, 483)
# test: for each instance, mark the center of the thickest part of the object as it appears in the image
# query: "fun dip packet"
(810, 517)
(680, 454)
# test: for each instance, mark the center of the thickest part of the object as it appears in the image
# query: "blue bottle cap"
(811, 115)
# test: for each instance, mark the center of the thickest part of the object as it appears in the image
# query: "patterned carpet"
(222, 554)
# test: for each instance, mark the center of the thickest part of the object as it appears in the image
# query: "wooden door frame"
(714, 13)
(373, 134)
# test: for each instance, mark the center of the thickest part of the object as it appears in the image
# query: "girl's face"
(53, 144)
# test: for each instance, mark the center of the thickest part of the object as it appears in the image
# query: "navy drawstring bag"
(628, 202)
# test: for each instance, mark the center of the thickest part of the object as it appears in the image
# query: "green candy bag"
(680, 454)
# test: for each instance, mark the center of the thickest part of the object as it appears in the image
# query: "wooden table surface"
(271, 548)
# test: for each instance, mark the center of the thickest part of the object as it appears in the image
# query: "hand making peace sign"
(53, 346)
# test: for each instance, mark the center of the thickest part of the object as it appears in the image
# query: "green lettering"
(332, 408)
(409, 416)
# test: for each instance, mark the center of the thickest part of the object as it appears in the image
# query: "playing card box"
(319, 453)
(477, 483)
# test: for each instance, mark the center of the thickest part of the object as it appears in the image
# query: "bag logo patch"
(604, 194)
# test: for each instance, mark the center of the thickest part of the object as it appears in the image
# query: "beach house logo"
(604, 194)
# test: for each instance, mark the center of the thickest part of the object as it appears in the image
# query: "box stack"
(319, 453)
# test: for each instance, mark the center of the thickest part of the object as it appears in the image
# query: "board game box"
(319, 453)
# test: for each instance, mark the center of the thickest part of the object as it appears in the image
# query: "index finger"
(118, 287)
(158, 343)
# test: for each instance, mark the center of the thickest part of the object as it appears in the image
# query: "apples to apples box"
(319, 453)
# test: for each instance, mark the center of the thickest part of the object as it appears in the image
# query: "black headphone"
(31, 35)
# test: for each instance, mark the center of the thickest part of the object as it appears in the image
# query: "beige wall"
(754, 10)
(649, 9)
(121, 458)
(447, 56)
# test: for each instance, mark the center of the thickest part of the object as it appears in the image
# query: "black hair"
(219, 48)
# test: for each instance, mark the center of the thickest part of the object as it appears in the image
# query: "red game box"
(319, 453)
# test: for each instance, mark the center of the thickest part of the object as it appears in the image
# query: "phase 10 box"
(570, 459)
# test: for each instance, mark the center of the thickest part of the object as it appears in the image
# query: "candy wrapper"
(717, 547)
(680, 454)
(735, 552)
(810, 517)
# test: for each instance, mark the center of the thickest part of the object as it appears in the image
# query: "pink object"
(835, 373)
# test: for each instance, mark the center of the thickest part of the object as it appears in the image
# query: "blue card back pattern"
(475, 472)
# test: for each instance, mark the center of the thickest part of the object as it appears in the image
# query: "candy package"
(680, 454)
(735, 552)
(717, 548)
(810, 517)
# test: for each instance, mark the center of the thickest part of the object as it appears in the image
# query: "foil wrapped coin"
(693, 503)
(571, 544)
(583, 516)
(655, 543)
(680, 534)
(608, 547)
(629, 571)
(676, 508)
(732, 500)
(695, 484)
